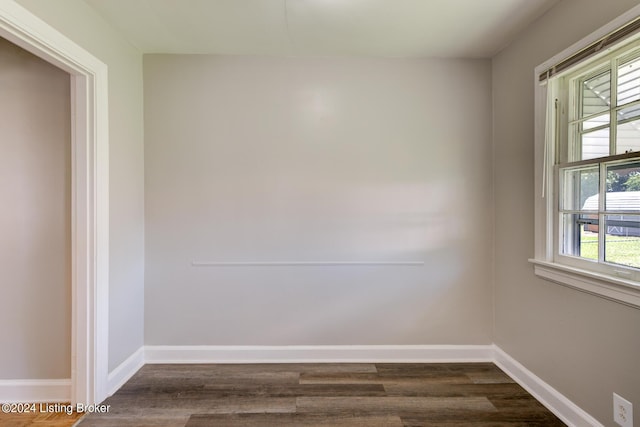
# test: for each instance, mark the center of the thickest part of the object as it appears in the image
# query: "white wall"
(584, 346)
(263, 159)
(84, 26)
(35, 247)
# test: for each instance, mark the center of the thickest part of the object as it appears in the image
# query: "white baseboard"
(570, 413)
(319, 354)
(28, 391)
(125, 370)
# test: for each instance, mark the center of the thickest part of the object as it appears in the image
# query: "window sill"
(608, 287)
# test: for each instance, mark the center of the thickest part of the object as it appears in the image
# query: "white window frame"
(617, 284)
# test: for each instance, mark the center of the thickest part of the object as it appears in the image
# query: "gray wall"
(254, 159)
(258, 159)
(84, 26)
(584, 346)
(35, 218)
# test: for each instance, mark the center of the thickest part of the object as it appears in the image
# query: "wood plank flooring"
(465, 394)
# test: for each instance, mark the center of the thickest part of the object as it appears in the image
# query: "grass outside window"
(621, 250)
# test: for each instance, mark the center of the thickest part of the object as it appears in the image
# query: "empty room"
(320, 212)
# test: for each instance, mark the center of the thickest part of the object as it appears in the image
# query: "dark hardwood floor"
(380, 394)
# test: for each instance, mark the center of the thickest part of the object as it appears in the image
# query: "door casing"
(89, 194)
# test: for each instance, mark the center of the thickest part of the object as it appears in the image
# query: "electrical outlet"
(622, 411)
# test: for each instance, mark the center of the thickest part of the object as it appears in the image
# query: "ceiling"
(386, 28)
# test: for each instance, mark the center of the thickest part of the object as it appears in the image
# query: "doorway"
(89, 197)
(35, 223)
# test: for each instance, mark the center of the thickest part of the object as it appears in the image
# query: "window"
(588, 168)
(598, 179)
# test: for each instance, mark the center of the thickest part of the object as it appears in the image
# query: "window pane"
(629, 82)
(580, 190)
(622, 244)
(580, 235)
(595, 144)
(596, 94)
(594, 122)
(628, 138)
(623, 187)
(628, 135)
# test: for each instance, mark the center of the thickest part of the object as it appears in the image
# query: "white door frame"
(89, 194)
